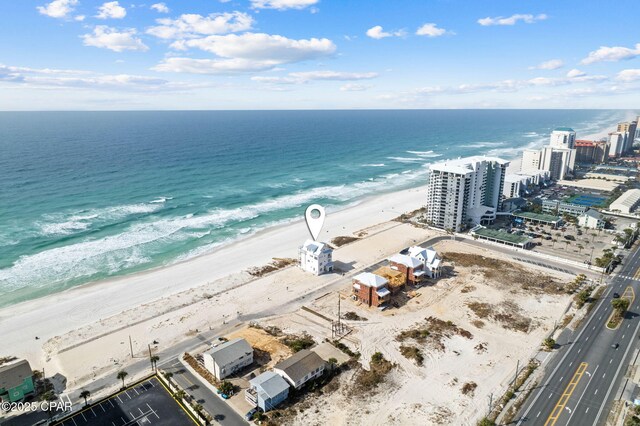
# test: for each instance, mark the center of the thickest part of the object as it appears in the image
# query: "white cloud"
(430, 30)
(552, 64)
(192, 25)
(111, 10)
(211, 66)
(612, 54)
(113, 39)
(629, 75)
(378, 32)
(306, 76)
(160, 8)
(576, 73)
(354, 87)
(282, 4)
(58, 8)
(79, 18)
(512, 20)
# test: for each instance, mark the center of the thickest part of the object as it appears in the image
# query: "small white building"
(429, 258)
(627, 202)
(227, 358)
(591, 219)
(316, 257)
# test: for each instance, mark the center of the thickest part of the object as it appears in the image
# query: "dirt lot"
(445, 350)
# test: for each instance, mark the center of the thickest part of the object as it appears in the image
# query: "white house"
(316, 257)
(429, 258)
(591, 219)
(227, 358)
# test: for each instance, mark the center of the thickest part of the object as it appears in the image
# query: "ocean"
(85, 196)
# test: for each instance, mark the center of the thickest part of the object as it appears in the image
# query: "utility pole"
(516, 376)
(490, 403)
(150, 358)
(131, 346)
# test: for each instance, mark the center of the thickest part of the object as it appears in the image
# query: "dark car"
(250, 414)
(615, 346)
(616, 296)
(404, 251)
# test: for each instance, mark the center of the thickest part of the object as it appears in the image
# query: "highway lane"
(572, 395)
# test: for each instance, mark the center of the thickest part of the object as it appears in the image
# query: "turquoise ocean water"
(91, 195)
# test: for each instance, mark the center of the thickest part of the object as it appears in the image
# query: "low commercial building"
(316, 257)
(502, 237)
(267, 391)
(627, 202)
(536, 218)
(591, 219)
(301, 367)
(430, 259)
(371, 289)
(16, 381)
(228, 357)
(410, 266)
(563, 207)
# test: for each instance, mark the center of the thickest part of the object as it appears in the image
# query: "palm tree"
(121, 375)
(85, 394)
(554, 241)
(580, 247)
(180, 394)
(168, 375)
(154, 362)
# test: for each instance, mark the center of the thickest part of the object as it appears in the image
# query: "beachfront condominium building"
(559, 162)
(628, 131)
(592, 152)
(563, 137)
(316, 257)
(616, 144)
(465, 192)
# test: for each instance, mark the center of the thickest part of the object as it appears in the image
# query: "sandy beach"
(58, 314)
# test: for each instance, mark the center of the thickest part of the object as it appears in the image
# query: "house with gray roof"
(16, 380)
(301, 367)
(227, 358)
(267, 391)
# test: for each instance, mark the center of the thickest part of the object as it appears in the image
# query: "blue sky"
(303, 54)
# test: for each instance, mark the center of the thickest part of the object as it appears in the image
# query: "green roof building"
(16, 381)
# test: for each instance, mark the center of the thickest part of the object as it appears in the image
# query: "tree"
(226, 387)
(486, 422)
(85, 394)
(154, 362)
(580, 247)
(121, 375)
(549, 343)
(620, 305)
(168, 375)
(180, 394)
(554, 241)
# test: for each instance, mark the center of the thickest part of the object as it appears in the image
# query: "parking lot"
(145, 403)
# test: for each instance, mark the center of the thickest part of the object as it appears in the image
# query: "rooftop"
(370, 280)
(593, 213)
(628, 199)
(230, 351)
(315, 247)
(403, 259)
(13, 374)
(563, 129)
(496, 234)
(537, 216)
(300, 364)
(465, 165)
(270, 384)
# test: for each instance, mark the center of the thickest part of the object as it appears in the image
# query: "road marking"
(562, 402)
(538, 414)
(583, 392)
(611, 360)
(570, 363)
(596, 392)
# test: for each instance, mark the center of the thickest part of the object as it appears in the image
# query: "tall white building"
(316, 257)
(465, 192)
(559, 162)
(563, 137)
(616, 144)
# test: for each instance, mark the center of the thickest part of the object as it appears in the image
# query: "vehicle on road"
(615, 345)
(250, 414)
(616, 295)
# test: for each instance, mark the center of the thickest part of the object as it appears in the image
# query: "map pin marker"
(314, 216)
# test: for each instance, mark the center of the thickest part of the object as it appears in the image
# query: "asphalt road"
(219, 409)
(583, 378)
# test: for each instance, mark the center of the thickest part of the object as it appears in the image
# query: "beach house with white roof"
(227, 358)
(316, 257)
(429, 258)
(371, 289)
(412, 267)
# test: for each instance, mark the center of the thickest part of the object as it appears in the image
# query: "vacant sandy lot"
(497, 320)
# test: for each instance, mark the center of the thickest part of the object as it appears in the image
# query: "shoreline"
(59, 313)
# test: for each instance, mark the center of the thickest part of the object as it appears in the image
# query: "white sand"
(61, 313)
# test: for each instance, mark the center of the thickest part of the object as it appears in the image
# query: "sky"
(318, 54)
